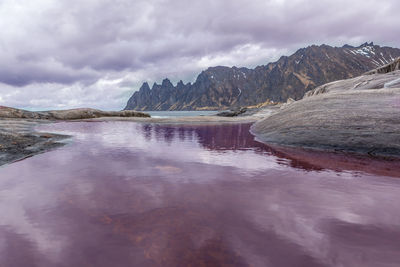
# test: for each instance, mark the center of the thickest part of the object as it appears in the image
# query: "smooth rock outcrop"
(359, 115)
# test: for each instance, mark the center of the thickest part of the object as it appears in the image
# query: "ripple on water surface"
(129, 194)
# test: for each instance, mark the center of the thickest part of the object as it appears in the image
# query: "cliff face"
(224, 87)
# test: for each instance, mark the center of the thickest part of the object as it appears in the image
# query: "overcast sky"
(96, 53)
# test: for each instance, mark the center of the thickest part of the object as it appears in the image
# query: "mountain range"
(290, 77)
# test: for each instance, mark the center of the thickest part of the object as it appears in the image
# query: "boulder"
(232, 113)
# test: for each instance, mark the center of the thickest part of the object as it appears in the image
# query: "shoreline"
(180, 120)
(19, 138)
(24, 140)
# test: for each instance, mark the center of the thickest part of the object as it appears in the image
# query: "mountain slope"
(224, 87)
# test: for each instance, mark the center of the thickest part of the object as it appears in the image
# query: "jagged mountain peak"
(291, 76)
(367, 44)
(145, 86)
(180, 84)
(166, 82)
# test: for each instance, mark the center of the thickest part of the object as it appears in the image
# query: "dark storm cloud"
(82, 42)
(26, 72)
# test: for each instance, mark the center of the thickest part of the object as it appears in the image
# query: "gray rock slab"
(359, 115)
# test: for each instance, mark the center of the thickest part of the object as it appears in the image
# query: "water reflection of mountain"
(226, 137)
(235, 137)
(211, 137)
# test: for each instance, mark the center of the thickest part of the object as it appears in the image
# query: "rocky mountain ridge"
(289, 77)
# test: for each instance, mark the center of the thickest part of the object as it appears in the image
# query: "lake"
(131, 194)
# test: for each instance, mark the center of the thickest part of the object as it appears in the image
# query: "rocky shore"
(358, 115)
(19, 140)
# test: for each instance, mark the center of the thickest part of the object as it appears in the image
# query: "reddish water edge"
(128, 194)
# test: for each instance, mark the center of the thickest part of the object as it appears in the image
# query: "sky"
(58, 54)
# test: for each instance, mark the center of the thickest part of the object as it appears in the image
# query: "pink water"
(129, 194)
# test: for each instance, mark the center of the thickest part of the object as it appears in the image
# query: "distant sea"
(167, 114)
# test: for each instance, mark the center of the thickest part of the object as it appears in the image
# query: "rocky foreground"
(18, 140)
(358, 115)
